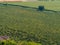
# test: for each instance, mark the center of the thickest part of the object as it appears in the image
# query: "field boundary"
(26, 7)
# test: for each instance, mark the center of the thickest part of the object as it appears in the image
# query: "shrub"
(41, 8)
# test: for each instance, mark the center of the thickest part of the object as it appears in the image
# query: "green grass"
(52, 5)
(30, 25)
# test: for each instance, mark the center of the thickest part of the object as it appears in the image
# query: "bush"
(41, 8)
(8, 42)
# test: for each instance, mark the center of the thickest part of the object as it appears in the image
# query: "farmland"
(52, 5)
(31, 25)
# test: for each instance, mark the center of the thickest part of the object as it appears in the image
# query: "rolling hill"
(29, 24)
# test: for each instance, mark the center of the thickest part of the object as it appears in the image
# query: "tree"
(41, 8)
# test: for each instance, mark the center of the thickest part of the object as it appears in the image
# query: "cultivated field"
(30, 25)
(52, 5)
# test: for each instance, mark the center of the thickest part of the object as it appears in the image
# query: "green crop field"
(31, 25)
(52, 5)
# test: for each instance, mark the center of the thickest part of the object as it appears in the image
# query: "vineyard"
(30, 25)
(52, 5)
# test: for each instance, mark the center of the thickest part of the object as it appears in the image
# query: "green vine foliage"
(8, 42)
(28, 43)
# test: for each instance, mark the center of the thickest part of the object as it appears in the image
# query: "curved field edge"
(51, 5)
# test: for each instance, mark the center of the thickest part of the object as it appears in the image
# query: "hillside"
(28, 24)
